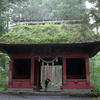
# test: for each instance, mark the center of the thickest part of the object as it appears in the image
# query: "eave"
(92, 48)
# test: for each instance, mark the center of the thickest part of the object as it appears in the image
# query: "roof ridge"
(57, 21)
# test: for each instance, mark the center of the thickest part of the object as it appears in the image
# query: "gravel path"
(39, 97)
(52, 89)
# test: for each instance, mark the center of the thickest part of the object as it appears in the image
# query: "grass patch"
(2, 88)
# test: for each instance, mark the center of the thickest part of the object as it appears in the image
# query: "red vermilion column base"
(76, 86)
(79, 87)
(21, 85)
(11, 86)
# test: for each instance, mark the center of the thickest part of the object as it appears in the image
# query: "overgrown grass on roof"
(48, 33)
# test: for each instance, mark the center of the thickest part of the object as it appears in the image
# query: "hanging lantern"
(52, 63)
(47, 64)
(56, 59)
(39, 60)
(42, 63)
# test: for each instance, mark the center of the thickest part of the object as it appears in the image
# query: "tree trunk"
(99, 7)
(53, 74)
(46, 71)
(7, 22)
(98, 16)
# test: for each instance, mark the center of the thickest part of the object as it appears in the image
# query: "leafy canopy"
(95, 71)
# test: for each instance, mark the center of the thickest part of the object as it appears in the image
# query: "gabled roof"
(29, 36)
(49, 33)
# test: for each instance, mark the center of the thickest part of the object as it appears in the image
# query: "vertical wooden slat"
(53, 74)
(43, 74)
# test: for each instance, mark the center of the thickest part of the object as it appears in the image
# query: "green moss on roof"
(49, 33)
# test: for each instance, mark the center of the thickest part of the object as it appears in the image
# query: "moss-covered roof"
(49, 33)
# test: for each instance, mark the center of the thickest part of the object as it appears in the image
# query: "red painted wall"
(68, 83)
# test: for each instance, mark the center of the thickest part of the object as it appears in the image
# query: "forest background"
(50, 9)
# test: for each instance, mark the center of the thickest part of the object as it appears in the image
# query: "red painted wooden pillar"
(10, 72)
(32, 71)
(64, 71)
(38, 77)
(87, 71)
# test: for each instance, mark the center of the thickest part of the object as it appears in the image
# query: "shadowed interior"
(22, 69)
(75, 68)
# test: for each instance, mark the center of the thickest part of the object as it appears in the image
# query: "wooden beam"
(56, 21)
(95, 51)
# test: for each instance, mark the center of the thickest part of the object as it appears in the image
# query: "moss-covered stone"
(49, 33)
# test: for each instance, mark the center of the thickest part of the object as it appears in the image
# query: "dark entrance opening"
(75, 68)
(53, 72)
(21, 68)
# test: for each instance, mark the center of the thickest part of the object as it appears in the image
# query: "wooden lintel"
(47, 51)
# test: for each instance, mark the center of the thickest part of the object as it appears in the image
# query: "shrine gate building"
(27, 58)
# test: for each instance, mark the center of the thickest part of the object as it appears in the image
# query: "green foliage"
(48, 33)
(3, 56)
(41, 9)
(27, 10)
(69, 9)
(47, 9)
(3, 81)
(93, 13)
(3, 69)
(5, 10)
(95, 71)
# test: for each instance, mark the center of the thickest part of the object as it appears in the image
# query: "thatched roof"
(49, 33)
